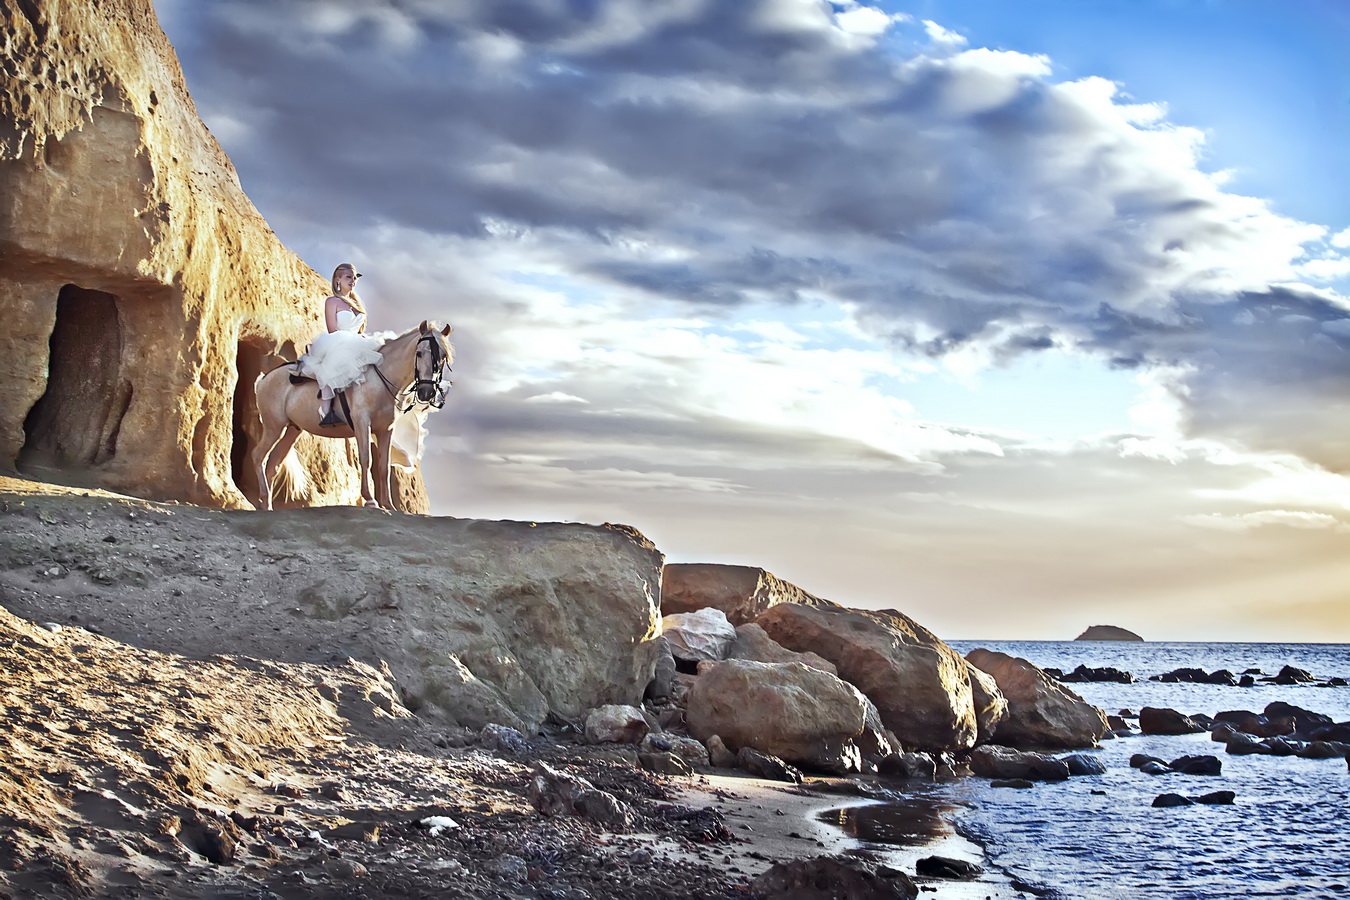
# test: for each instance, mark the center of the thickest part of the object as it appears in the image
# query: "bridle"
(410, 393)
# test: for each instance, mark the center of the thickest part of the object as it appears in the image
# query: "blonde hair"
(351, 298)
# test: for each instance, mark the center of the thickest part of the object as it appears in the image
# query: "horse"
(413, 362)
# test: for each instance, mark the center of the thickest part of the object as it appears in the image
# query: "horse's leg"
(272, 433)
(362, 429)
(289, 435)
(382, 442)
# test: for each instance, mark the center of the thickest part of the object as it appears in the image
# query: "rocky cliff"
(141, 291)
(477, 622)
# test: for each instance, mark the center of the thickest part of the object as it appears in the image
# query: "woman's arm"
(331, 306)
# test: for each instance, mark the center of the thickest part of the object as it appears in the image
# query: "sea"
(1286, 835)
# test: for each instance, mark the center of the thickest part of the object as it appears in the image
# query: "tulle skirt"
(339, 359)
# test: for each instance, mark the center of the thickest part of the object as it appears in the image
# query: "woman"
(340, 357)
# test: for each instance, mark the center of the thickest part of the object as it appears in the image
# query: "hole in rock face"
(251, 361)
(75, 423)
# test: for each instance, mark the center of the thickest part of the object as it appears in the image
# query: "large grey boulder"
(991, 707)
(478, 622)
(921, 687)
(753, 643)
(697, 636)
(1041, 711)
(798, 713)
(741, 592)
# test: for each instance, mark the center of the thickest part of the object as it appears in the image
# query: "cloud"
(705, 250)
(1269, 517)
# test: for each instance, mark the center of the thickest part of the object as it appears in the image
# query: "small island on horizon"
(1107, 633)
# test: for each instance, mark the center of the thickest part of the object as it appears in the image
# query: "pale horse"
(413, 364)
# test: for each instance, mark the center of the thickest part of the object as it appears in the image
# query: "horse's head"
(434, 354)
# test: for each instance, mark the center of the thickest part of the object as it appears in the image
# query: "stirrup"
(331, 419)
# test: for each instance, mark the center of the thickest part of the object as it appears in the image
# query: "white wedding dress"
(339, 359)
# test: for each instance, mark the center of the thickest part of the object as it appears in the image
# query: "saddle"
(297, 377)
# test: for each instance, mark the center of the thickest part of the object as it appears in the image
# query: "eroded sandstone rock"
(921, 687)
(741, 592)
(1041, 712)
(793, 711)
(753, 643)
(479, 622)
(141, 291)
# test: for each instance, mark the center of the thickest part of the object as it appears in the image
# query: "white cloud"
(943, 37)
(1244, 522)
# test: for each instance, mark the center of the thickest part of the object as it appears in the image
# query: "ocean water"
(1099, 838)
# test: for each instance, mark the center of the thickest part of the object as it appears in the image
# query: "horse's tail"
(292, 481)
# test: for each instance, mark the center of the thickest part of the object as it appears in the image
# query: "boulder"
(789, 710)
(740, 592)
(142, 292)
(1171, 800)
(1197, 765)
(908, 765)
(876, 741)
(719, 754)
(485, 622)
(698, 636)
(994, 761)
(1156, 720)
(921, 687)
(688, 749)
(662, 685)
(616, 723)
(991, 707)
(1082, 764)
(753, 643)
(946, 867)
(832, 878)
(1107, 633)
(1041, 712)
(766, 765)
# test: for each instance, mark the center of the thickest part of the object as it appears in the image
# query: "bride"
(341, 356)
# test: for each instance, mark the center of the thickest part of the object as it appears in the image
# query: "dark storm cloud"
(951, 200)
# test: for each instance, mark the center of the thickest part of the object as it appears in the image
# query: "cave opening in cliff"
(251, 359)
(75, 423)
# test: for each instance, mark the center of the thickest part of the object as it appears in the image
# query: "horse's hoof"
(371, 504)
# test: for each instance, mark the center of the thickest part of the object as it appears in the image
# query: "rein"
(410, 392)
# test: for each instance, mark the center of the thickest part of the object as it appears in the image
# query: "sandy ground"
(129, 771)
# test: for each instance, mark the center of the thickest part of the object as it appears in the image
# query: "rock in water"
(832, 878)
(921, 687)
(789, 710)
(993, 761)
(1107, 633)
(1041, 712)
(1160, 720)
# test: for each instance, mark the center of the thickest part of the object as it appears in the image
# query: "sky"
(1015, 317)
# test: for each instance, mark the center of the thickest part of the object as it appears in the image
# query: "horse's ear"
(424, 326)
(446, 330)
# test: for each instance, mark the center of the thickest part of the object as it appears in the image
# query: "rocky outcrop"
(1041, 712)
(798, 713)
(141, 291)
(1107, 633)
(477, 621)
(700, 636)
(742, 592)
(921, 687)
(753, 643)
